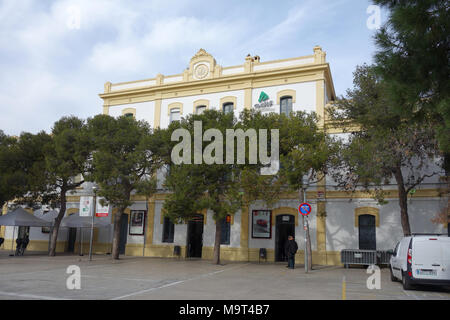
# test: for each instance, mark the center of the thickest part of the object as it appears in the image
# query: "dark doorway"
(22, 240)
(284, 227)
(123, 233)
(71, 240)
(24, 232)
(367, 232)
(195, 237)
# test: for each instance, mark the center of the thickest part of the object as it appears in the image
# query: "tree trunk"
(403, 201)
(55, 228)
(116, 234)
(216, 256)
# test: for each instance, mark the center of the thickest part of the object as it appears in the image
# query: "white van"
(421, 259)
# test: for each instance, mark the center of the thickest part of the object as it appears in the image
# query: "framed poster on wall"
(137, 222)
(262, 224)
(45, 229)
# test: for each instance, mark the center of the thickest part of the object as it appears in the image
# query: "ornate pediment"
(201, 54)
(202, 65)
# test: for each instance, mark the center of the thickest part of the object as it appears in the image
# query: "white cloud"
(49, 70)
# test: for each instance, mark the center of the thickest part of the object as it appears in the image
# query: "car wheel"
(393, 278)
(406, 282)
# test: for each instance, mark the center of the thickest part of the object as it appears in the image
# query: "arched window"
(174, 114)
(129, 112)
(286, 105)
(200, 109)
(228, 107)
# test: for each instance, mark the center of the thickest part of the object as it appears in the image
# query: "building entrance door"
(71, 240)
(284, 227)
(367, 232)
(24, 232)
(123, 233)
(195, 237)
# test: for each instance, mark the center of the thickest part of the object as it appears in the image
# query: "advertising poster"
(137, 222)
(86, 204)
(262, 224)
(101, 211)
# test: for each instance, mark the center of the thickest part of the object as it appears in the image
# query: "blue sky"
(50, 68)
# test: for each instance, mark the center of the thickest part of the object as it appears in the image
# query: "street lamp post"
(92, 222)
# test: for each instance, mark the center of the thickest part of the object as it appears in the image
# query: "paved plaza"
(36, 276)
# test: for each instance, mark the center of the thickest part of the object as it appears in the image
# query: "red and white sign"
(101, 211)
(320, 195)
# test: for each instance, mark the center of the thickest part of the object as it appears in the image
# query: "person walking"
(291, 248)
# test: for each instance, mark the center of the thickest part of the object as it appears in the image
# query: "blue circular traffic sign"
(304, 209)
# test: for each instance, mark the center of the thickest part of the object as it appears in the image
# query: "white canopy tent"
(49, 216)
(72, 221)
(20, 217)
(75, 221)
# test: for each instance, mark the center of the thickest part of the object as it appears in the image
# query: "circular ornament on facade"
(201, 71)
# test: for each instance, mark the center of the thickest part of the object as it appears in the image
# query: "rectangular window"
(168, 230)
(174, 114)
(226, 228)
(200, 109)
(286, 105)
(228, 107)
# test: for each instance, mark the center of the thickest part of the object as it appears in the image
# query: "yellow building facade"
(295, 84)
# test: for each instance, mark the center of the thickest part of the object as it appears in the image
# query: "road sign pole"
(305, 209)
(92, 224)
(305, 228)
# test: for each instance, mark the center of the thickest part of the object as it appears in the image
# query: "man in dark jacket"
(290, 250)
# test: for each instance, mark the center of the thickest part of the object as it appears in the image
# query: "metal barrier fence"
(365, 257)
(361, 257)
(383, 257)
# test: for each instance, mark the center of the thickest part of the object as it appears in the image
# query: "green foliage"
(305, 150)
(203, 186)
(413, 59)
(223, 188)
(385, 146)
(22, 166)
(124, 159)
(305, 154)
(66, 156)
(309, 152)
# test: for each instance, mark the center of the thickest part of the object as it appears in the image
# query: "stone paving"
(37, 276)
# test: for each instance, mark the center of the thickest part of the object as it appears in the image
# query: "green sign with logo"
(264, 103)
(263, 97)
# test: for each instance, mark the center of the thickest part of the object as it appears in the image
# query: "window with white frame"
(174, 114)
(286, 105)
(228, 107)
(200, 109)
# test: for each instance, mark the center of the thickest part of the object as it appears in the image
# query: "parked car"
(421, 259)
